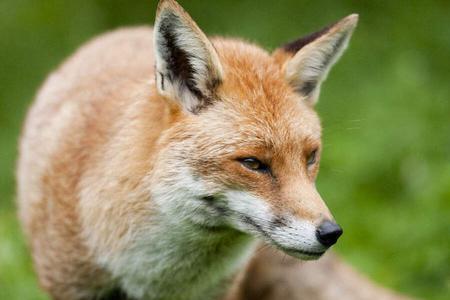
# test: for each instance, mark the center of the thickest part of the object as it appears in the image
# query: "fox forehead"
(256, 105)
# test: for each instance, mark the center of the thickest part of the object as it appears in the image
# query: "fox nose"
(328, 233)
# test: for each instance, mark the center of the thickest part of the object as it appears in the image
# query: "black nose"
(328, 233)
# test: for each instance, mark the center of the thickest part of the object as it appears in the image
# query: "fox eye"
(312, 158)
(254, 164)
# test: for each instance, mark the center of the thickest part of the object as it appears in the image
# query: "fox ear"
(188, 69)
(307, 61)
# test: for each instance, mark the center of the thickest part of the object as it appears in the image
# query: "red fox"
(153, 159)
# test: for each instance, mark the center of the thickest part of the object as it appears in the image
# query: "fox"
(155, 160)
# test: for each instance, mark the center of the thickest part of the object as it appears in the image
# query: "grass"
(385, 110)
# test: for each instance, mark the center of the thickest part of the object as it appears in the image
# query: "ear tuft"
(308, 60)
(187, 67)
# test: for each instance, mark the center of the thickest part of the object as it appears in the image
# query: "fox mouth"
(297, 253)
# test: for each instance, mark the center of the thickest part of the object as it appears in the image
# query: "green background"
(385, 110)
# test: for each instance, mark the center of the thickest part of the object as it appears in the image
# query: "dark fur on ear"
(188, 69)
(294, 46)
(308, 60)
(179, 62)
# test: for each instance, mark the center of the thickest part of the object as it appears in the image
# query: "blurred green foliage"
(385, 110)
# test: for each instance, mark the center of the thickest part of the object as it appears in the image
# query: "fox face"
(244, 149)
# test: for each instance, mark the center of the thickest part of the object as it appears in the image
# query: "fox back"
(153, 158)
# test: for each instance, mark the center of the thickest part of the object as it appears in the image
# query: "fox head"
(243, 149)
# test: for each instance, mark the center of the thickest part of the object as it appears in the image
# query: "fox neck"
(180, 260)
